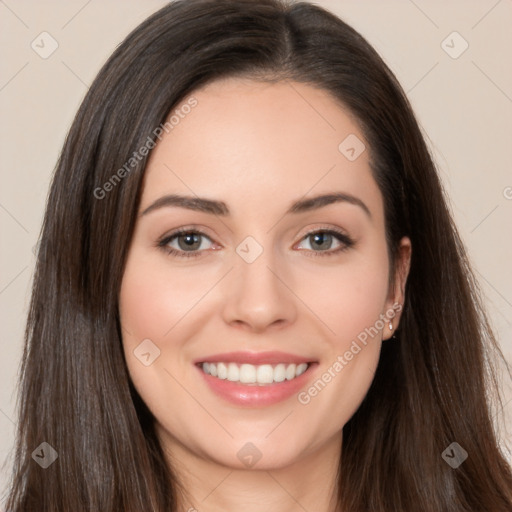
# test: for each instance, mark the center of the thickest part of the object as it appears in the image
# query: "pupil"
(191, 240)
(319, 239)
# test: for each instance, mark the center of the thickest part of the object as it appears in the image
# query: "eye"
(321, 242)
(185, 243)
(188, 242)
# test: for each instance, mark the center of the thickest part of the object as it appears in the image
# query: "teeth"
(222, 370)
(251, 374)
(291, 371)
(247, 374)
(301, 369)
(279, 373)
(233, 372)
(265, 374)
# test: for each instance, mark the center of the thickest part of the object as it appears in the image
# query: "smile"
(249, 374)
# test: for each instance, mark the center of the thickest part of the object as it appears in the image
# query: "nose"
(259, 295)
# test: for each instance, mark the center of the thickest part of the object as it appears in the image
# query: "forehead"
(248, 142)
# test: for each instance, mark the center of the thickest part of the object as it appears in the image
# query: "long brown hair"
(432, 381)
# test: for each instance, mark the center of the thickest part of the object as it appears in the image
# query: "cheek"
(153, 299)
(348, 298)
(160, 303)
(350, 350)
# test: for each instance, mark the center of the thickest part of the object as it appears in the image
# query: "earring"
(390, 325)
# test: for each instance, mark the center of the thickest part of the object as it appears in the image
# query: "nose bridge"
(257, 295)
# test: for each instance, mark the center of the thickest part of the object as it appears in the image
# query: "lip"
(255, 358)
(253, 395)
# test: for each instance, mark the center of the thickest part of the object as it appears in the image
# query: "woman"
(249, 290)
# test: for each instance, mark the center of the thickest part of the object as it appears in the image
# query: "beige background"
(464, 104)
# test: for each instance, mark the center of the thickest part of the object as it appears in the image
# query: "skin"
(258, 147)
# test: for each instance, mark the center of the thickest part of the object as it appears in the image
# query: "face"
(253, 311)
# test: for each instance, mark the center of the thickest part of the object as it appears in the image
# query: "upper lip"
(254, 358)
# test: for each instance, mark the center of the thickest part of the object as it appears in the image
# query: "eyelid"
(163, 241)
(192, 228)
(345, 240)
(325, 229)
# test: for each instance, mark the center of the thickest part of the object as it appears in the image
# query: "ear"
(395, 301)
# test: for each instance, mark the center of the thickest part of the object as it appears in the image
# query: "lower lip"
(255, 395)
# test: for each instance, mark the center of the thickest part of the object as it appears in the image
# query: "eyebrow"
(210, 206)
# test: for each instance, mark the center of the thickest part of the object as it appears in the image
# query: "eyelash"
(344, 239)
